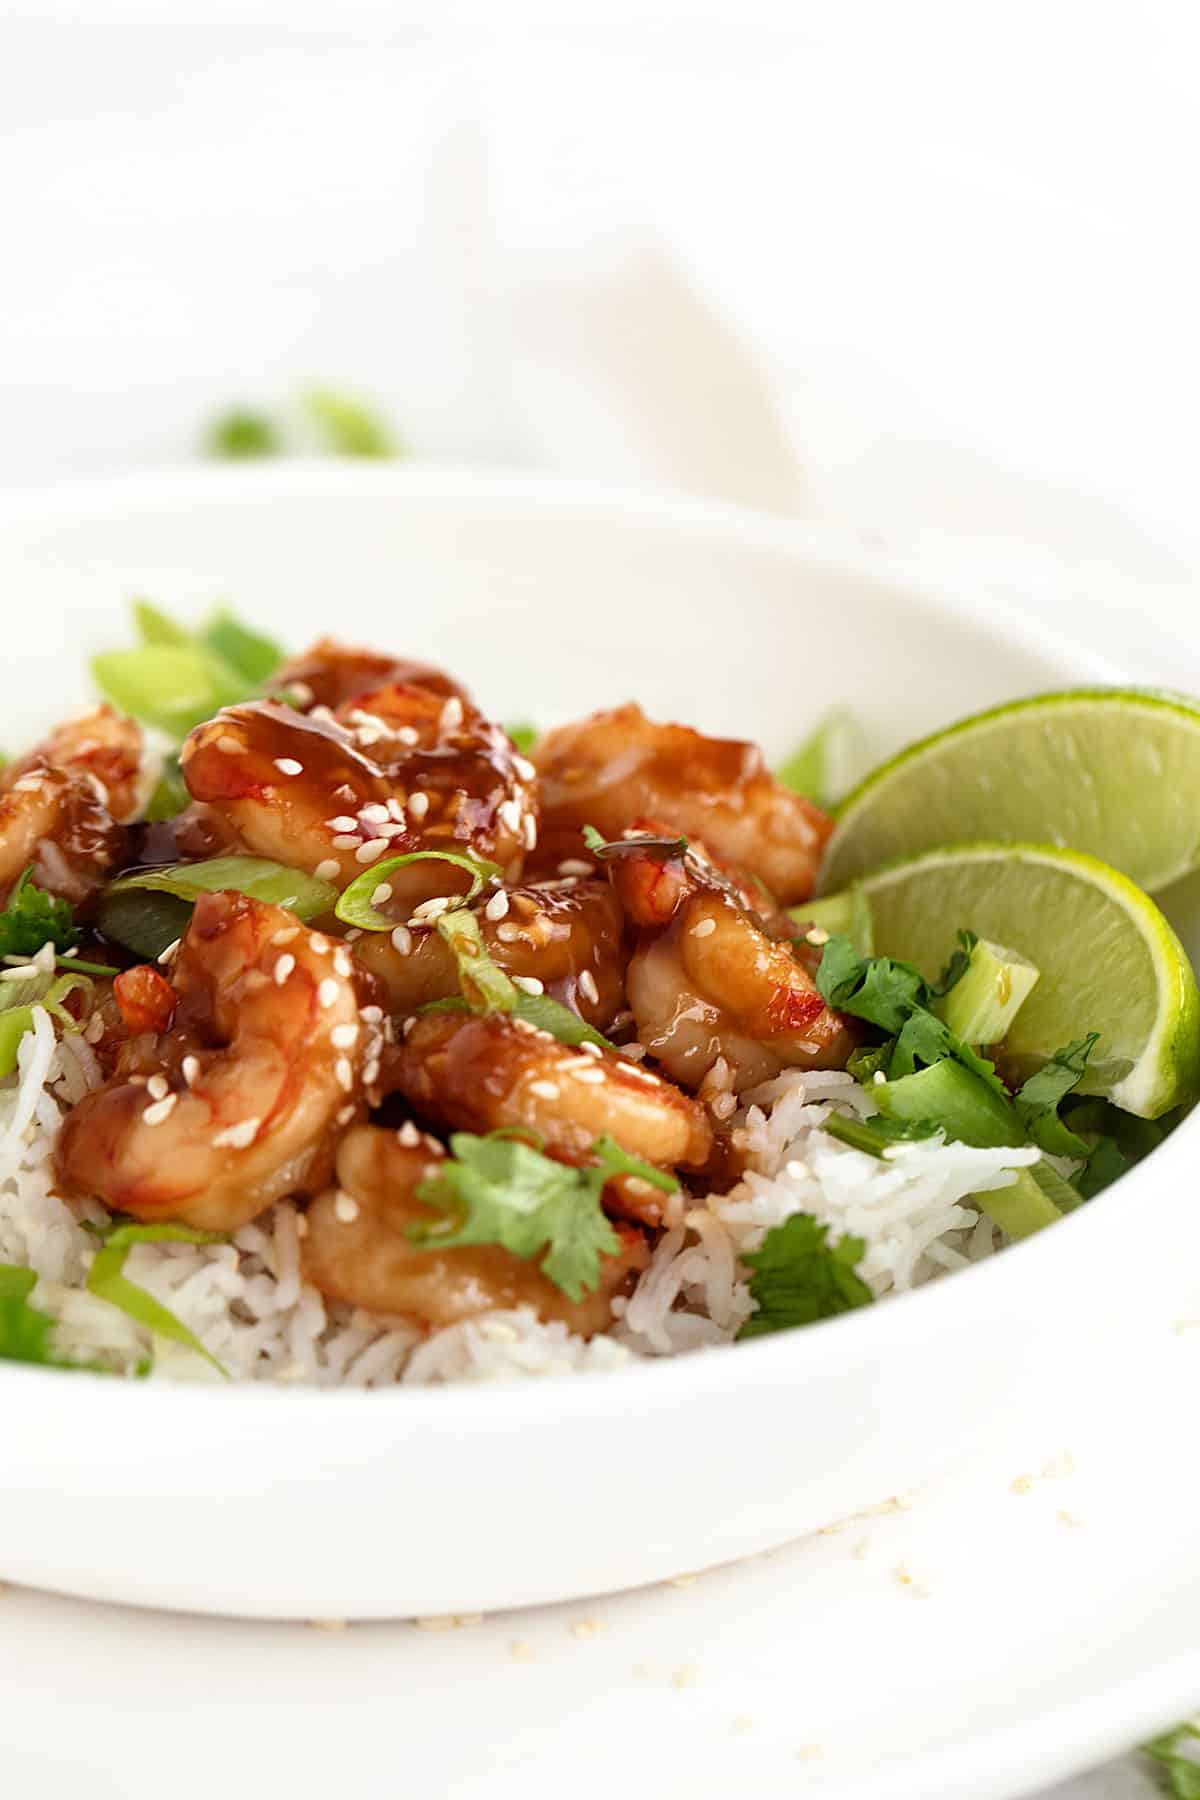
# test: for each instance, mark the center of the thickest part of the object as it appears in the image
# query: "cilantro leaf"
(1180, 1773)
(499, 1189)
(875, 1134)
(799, 1277)
(957, 966)
(33, 918)
(1106, 1163)
(1038, 1101)
(604, 848)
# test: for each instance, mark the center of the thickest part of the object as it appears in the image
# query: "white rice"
(247, 1304)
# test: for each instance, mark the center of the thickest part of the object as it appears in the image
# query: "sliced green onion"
(170, 796)
(1028, 1204)
(563, 1024)
(486, 988)
(346, 426)
(965, 1107)
(107, 1281)
(254, 657)
(273, 883)
(157, 627)
(15, 1283)
(523, 736)
(609, 1153)
(242, 433)
(164, 685)
(355, 908)
(605, 847)
(146, 923)
(15, 1021)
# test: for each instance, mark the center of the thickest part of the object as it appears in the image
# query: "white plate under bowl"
(548, 599)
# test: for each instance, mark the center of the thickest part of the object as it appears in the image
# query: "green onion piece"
(982, 1004)
(107, 1281)
(169, 687)
(242, 433)
(170, 796)
(876, 1136)
(563, 1024)
(15, 1283)
(143, 922)
(823, 768)
(966, 1108)
(355, 908)
(121, 1236)
(346, 426)
(485, 986)
(523, 736)
(606, 847)
(157, 627)
(15, 1021)
(610, 1155)
(272, 882)
(254, 657)
(1027, 1204)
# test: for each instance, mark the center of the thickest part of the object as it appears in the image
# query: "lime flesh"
(1109, 961)
(1111, 771)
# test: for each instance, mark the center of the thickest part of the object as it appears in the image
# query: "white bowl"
(549, 599)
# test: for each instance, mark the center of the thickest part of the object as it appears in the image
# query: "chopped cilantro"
(876, 1134)
(499, 1189)
(33, 918)
(1038, 1101)
(799, 1277)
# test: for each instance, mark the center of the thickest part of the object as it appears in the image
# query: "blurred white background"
(925, 268)
(954, 239)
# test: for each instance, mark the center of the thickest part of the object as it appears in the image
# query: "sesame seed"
(344, 1037)
(407, 735)
(302, 1220)
(590, 1074)
(408, 1135)
(231, 746)
(703, 928)
(524, 768)
(285, 934)
(284, 966)
(588, 988)
(508, 933)
(545, 1090)
(345, 1073)
(373, 1015)
(353, 935)
(497, 906)
(817, 936)
(371, 1071)
(191, 1068)
(326, 870)
(429, 910)
(376, 812)
(529, 832)
(345, 1114)
(324, 714)
(345, 1209)
(344, 841)
(343, 963)
(418, 805)
(93, 1031)
(237, 1137)
(402, 940)
(509, 815)
(171, 951)
(408, 1023)
(301, 693)
(328, 992)
(382, 893)
(154, 1115)
(575, 866)
(452, 713)
(287, 765)
(367, 853)
(342, 822)
(157, 1087)
(529, 984)
(395, 810)
(591, 1050)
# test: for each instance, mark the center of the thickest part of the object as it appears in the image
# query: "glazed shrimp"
(236, 1092)
(615, 767)
(403, 770)
(62, 807)
(356, 1247)
(706, 981)
(569, 938)
(330, 674)
(476, 1074)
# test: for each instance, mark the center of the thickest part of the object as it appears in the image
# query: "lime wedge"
(1109, 961)
(1112, 771)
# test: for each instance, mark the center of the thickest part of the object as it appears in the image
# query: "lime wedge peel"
(1109, 960)
(1109, 771)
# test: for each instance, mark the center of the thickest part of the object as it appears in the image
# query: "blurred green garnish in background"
(323, 419)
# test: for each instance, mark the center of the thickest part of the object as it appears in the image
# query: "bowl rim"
(662, 1381)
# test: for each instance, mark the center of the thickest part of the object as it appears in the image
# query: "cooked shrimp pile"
(495, 1048)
